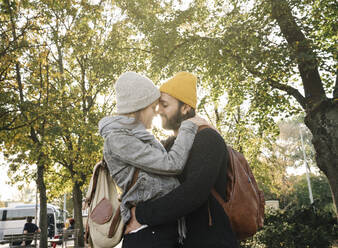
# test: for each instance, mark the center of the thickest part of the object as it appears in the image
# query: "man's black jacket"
(205, 168)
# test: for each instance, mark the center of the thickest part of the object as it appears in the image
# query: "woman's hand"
(199, 121)
(132, 223)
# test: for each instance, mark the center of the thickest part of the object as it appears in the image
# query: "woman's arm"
(135, 152)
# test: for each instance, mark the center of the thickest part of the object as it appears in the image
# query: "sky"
(8, 192)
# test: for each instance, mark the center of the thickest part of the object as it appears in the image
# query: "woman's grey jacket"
(128, 145)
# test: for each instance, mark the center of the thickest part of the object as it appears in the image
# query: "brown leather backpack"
(244, 203)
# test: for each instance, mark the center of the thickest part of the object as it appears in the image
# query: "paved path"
(58, 246)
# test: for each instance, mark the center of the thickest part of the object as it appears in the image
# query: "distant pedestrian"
(71, 224)
(29, 228)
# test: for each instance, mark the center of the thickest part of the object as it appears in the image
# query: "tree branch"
(301, 48)
(290, 90)
(206, 112)
(286, 88)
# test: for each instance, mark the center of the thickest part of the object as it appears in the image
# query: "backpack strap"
(88, 200)
(135, 176)
(213, 190)
(117, 216)
(134, 179)
(93, 183)
(218, 197)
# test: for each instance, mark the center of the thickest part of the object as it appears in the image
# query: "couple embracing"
(170, 204)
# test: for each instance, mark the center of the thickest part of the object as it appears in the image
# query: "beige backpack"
(104, 227)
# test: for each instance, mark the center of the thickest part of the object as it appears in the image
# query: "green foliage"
(67, 56)
(296, 227)
(299, 195)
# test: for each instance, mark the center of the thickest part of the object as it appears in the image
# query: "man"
(207, 224)
(29, 228)
(71, 224)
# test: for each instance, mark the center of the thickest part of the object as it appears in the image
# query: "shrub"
(296, 228)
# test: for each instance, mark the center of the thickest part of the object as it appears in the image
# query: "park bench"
(66, 237)
(15, 240)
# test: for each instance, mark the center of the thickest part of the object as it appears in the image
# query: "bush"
(296, 228)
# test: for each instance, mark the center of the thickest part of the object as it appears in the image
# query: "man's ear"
(185, 109)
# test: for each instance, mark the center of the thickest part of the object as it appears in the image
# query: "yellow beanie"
(182, 86)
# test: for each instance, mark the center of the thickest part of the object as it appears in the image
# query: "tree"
(57, 87)
(321, 110)
(25, 112)
(88, 57)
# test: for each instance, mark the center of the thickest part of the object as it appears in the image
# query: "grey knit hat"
(134, 92)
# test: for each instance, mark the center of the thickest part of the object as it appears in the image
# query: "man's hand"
(133, 223)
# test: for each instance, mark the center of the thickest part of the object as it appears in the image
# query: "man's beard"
(175, 121)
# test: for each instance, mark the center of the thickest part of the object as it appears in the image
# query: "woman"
(128, 146)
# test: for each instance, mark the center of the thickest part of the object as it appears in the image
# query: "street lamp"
(307, 167)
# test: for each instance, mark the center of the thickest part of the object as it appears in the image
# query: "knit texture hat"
(182, 86)
(134, 92)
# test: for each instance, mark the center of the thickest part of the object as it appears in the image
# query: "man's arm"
(24, 232)
(25, 228)
(205, 160)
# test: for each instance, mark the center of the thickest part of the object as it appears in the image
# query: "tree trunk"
(322, 112)
(43, 206)
(77, 200)
(323, 124)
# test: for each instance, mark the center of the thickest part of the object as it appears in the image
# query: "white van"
(12, 220)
